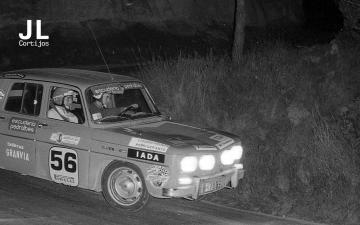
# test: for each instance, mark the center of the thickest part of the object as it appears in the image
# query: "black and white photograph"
(179, 112)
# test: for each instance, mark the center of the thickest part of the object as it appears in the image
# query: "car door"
(63, 147)
(19, 117)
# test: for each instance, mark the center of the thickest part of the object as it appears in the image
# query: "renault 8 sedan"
(103, 132)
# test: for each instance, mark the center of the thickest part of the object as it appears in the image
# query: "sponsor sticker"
(147, 156)
(109, 148)
(22, 125)
(132, 85)
(148, 145)
(96, 116)
(16, 151)
(2, 94)
(109, 89)
(157, 175)
(63, 164)
(223, 141)
(61, 138)
(205, 148)
(115, 88)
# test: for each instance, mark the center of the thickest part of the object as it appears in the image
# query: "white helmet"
(59, 94)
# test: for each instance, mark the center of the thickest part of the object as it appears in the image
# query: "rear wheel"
(123, 187)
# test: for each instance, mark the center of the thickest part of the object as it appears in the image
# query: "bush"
(296, 112)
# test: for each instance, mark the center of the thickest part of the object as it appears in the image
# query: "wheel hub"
(125, 186)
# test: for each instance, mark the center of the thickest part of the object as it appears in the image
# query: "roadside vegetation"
(297, 110)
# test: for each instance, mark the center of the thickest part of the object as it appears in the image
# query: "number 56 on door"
(63, 166)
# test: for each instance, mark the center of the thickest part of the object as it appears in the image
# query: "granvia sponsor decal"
(17, 154)
(15, 151)
(147, 156)
(2, 94)
(23, 125)
(205, 148)
(157, 175)
(223, 141)
(148, 145)
(39, 41)
(61, 138)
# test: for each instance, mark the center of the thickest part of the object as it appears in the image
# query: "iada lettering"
(147, 156)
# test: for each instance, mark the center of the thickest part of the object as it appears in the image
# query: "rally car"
(103, 132)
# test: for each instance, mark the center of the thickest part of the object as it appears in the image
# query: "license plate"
(212, 185)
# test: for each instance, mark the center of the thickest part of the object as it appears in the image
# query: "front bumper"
(230, 176)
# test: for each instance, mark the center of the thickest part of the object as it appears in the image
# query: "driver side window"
(65, 104)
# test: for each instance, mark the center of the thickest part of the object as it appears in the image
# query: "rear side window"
(25, 98)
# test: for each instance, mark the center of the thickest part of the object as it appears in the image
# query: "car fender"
(97, 165)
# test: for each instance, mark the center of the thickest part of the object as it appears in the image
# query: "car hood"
(179, 135)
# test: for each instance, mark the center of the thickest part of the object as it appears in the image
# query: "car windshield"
(119, 101)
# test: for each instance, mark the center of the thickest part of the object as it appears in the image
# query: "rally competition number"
(63, 164)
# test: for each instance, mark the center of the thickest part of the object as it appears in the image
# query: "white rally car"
(55, 125)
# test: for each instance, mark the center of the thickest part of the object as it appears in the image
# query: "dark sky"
(131, 30)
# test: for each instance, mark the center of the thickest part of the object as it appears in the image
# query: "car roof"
(76, 77)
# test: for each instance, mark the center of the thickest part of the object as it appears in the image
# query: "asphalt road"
(28, 200)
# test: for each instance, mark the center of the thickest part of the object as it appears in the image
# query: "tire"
(123, 187)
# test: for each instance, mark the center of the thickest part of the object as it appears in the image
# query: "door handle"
(2, 117)
(42, 125)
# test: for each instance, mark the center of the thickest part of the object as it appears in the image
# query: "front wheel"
(123, 187)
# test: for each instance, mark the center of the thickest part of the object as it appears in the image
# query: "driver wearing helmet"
(101, 106)
(103, 101)
(62, 100)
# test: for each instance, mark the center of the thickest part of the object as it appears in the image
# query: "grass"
(301, 156)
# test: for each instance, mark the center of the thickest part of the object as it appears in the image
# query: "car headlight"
(229, 156)
(237, 151)
(207, 162)
(188, 164)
